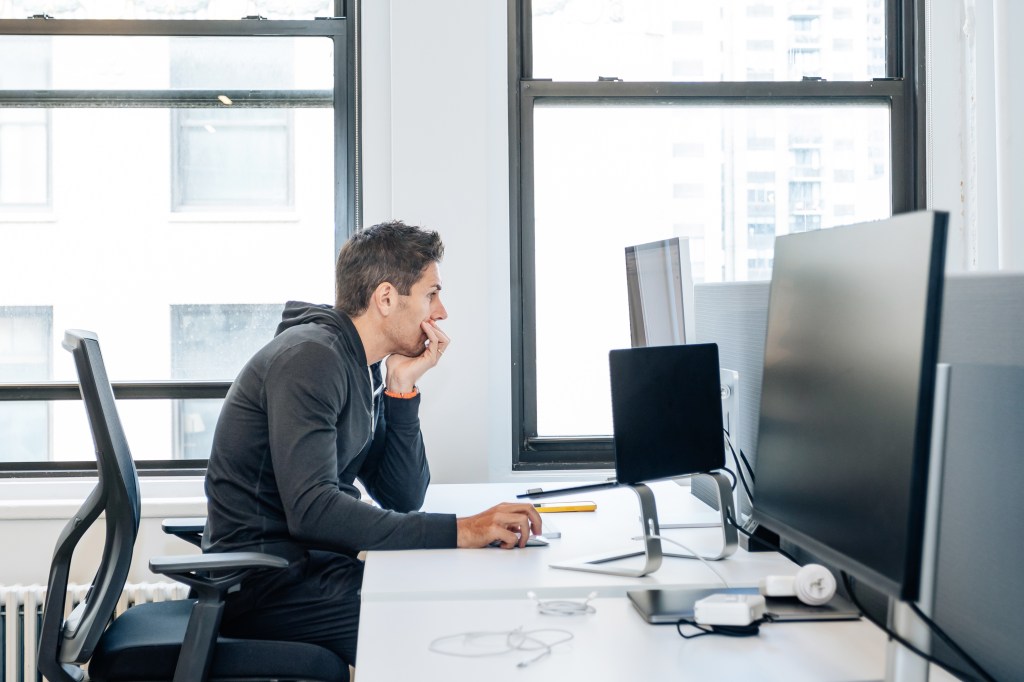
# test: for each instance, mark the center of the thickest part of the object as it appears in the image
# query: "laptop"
(666, 415)
(668, 606)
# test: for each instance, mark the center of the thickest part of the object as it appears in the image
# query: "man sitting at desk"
(307, 415)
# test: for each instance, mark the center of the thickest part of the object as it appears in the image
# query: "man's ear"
(384, 298)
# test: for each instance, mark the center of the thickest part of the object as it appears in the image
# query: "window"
(604, 164)
(194, 187)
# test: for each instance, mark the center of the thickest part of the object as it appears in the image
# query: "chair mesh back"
(117, 496)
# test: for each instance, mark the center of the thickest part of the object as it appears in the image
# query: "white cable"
(514, 640)
(693, 555)
(563, 607)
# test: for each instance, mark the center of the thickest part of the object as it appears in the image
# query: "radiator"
(21, 613)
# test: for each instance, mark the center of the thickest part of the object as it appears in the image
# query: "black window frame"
(343, 29)
(902, 90)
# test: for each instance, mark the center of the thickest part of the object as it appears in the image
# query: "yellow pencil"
(551, 507)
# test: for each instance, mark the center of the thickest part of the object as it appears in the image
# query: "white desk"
(613, 643)
(495, 573)
(411, 598)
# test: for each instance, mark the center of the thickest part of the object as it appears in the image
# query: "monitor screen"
(666, 411)
(659, 289)
(847, 394)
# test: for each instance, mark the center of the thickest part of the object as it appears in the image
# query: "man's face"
(422, 304)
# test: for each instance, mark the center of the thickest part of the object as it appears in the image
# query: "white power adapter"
(729, 609)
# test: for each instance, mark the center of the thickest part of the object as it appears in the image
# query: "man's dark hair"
(389, 252)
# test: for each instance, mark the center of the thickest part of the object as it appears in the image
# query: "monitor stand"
(652, 551)
(726, 510)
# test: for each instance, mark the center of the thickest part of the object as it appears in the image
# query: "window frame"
(903, 91)
(343, 29)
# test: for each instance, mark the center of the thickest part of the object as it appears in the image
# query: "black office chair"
(173, 640)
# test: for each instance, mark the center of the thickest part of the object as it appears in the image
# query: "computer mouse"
(532, 541)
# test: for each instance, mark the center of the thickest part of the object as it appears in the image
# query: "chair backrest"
(65, 644)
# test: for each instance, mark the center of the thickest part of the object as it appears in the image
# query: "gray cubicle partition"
(735, 316)
(979, 596)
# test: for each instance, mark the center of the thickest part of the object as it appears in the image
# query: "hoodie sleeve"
(305, 397)
(396, 473)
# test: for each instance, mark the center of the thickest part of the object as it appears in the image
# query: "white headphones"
(813, 584)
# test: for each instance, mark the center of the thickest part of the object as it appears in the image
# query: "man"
(307, 415)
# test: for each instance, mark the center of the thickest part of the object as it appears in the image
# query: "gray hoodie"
(304, 418)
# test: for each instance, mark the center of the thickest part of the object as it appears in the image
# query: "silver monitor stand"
(652, 551)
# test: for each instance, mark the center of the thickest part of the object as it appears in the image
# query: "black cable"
(739, 469)
(934, 627)
(750, 469)
(778, 548)
(732, 478)
(848, 584)
(727, 630)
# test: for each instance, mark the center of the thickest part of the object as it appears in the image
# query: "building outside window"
(615, 148)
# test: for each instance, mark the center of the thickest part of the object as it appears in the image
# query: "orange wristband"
(404, 396)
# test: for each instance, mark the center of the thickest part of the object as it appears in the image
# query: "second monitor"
(667, 422)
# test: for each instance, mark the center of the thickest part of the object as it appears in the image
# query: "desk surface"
(613, 643)
(495, 573)
(412, 598)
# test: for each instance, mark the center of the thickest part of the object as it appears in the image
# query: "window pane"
(162, 63)
(212, 342)
(727, 178)
(167, 9)
(25, 63)
(25, 345)
(727, 40)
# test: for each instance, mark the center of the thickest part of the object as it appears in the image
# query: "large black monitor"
(847, 394)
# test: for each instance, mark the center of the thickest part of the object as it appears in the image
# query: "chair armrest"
(211, 577)
(217, 561)
(188, 528)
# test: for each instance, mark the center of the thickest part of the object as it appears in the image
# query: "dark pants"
(314, 600)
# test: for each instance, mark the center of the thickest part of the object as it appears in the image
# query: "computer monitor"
(666, 412)
(659, 287)
(660, 293)
(667, 422)
(847, 394)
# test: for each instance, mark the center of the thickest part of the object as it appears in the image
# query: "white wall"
(976, 146)
(435, 148)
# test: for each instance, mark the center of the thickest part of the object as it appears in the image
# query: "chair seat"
(142, 645)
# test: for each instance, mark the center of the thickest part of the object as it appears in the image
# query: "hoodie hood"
(300, 312)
